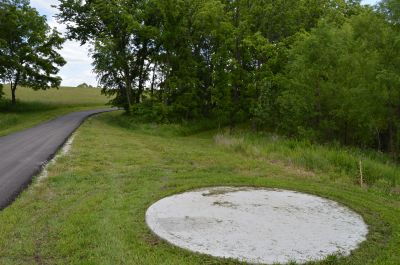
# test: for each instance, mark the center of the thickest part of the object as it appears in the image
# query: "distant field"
(34, 107)
(62, 96)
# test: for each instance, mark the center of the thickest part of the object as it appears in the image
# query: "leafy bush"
(150, 111)
(340, 85)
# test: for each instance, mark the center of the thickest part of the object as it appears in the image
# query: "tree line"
(320, 69)
(325, 70)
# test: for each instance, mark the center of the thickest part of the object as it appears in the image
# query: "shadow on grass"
(135, 123)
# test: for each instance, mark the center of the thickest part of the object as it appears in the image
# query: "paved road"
(23, 154)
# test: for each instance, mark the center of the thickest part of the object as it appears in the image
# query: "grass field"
(34, 107)
(91, 207)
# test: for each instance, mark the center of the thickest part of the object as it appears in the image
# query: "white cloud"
(369, 2)
(78, 68)
(44, 6)
(74, 52)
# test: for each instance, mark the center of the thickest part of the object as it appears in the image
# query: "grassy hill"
(34, 107)
(91, 207)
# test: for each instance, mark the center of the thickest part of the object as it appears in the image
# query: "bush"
(84, 85)
(150, 111)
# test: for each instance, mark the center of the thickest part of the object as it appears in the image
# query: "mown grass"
(91, 208)
(34, 107)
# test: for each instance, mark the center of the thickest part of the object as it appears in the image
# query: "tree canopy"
(28, 48)
(325, 70)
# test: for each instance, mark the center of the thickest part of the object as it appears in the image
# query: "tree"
(191, 32)
(253, 50)
(122, 35)
(28, 48)
(391, 10)
(342, 83)
(84, 85)
(216, 58)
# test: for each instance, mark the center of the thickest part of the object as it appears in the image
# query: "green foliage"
(122, 35)
(342, 83)
(391, 10)
(28, 48)
(151, 111)
(327, 71)
(198, 58)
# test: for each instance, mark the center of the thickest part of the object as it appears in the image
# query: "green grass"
(91, 208)
(378, 170)
(34, 107)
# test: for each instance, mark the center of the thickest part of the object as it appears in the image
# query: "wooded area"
(325, 70)
(320, 69)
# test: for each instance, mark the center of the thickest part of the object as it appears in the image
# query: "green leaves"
(122, 33)
(323, 69)
(28, 48)
(342, 82)
(391, 10)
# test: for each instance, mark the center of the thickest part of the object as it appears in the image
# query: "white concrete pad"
(257, 225)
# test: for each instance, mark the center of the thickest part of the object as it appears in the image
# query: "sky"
(78, 69)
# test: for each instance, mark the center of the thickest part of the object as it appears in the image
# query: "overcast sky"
(78, 69)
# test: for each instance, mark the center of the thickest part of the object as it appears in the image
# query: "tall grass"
(337, 161)
(378, 170)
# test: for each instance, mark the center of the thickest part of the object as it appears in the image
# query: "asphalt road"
(23, 154)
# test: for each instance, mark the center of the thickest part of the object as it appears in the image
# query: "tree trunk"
(14, 89)
(142, 71)
(378, 138)
(140, 85)
(153, 79)
(393, 131)
(391, 147)
(128, 88)
(13, 98)
(236, 85)
(128, 100)
(318, 104)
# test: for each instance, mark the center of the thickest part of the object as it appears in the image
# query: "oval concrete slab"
(257, 225)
